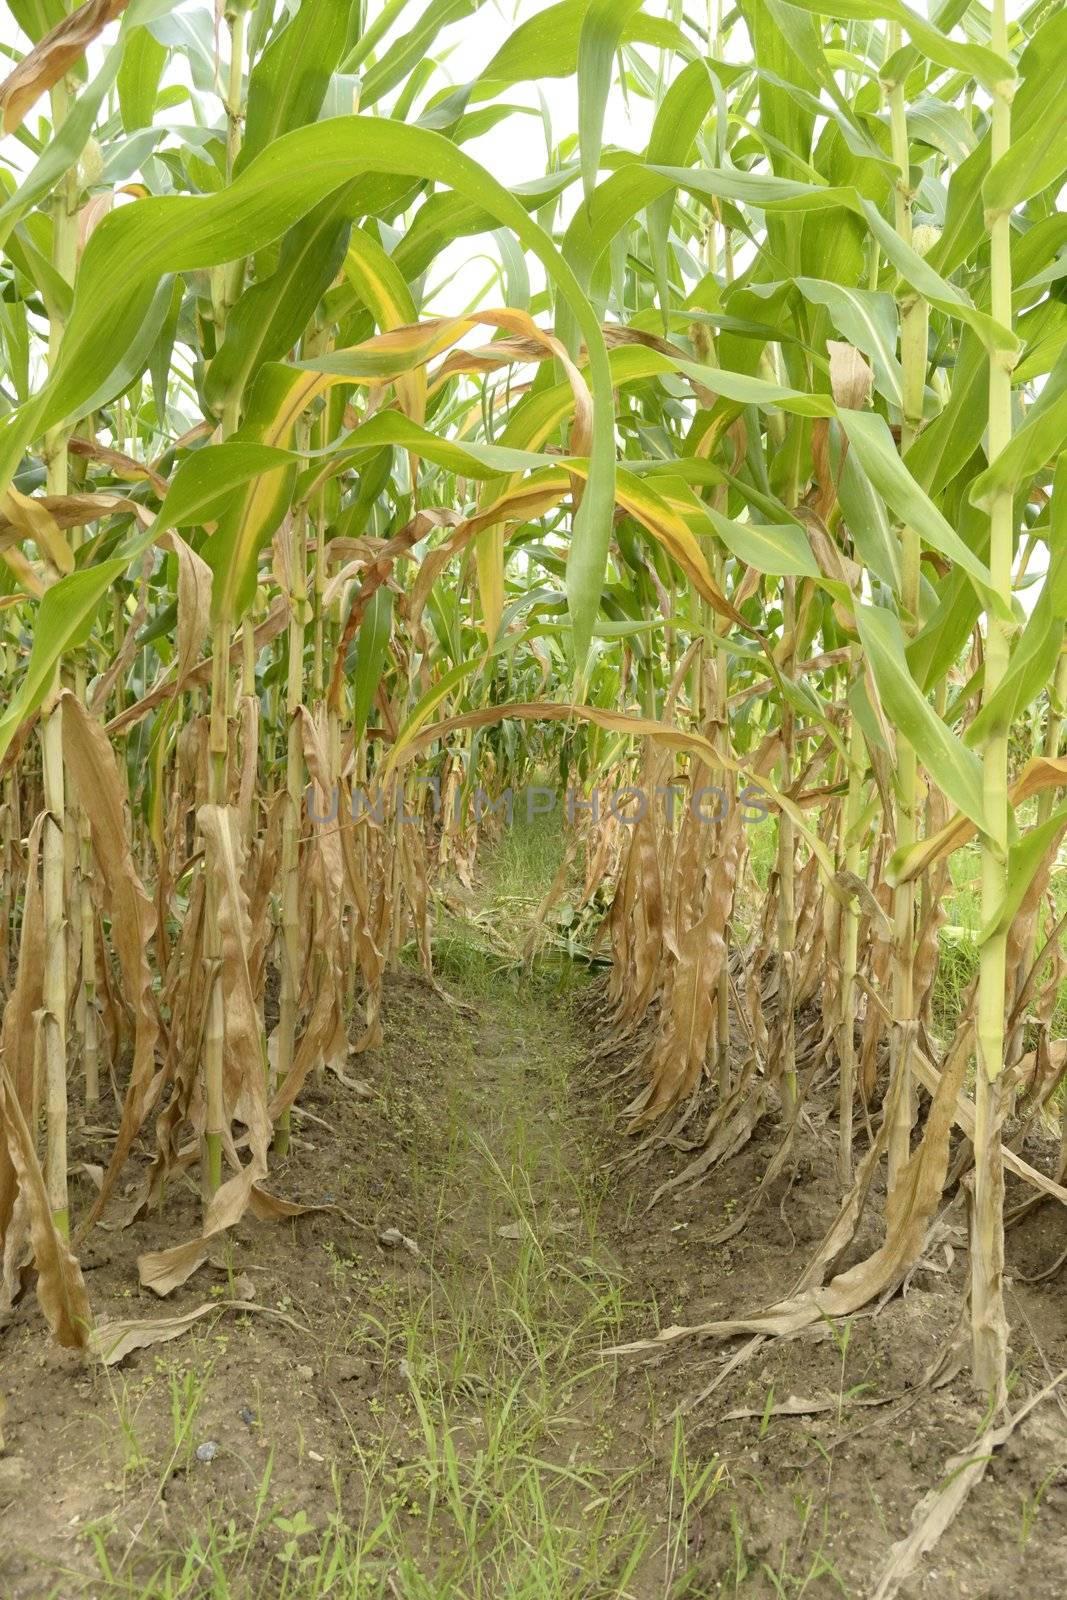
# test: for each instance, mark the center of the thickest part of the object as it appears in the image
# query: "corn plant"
(737, 481)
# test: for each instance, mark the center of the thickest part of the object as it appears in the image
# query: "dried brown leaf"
(244, 1077)
(936, 1510)
(133, 919)
(851, 379)
(57, 52)
(61, 1290)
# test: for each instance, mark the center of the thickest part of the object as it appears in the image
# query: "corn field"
(703, 478)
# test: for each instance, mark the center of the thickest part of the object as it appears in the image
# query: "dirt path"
(418, 1404)
(421, 1408)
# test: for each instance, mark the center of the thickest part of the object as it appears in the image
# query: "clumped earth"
(421, 1405)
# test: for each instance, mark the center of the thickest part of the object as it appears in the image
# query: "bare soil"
(383, 1387)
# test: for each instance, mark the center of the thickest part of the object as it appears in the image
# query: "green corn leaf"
(137, 354)
(270, 316)
(868, 320)
(780, 549)
(407, 52)
(1040, 439)
(685, 105)
(372, 642)
(62, 622)
(955, 769)
(547, 44)
(288, 83)
(1026, 857)
(1037, 649)
(947, 443)
(204, 483)
(66, 144)
(139, 74)
(134, 246)
(974, 59)
(602, 29)
(1040, 74)
(919, 272)
(869, 436)
(37, 17)
(256, 511)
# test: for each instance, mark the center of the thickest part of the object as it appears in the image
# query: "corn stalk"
(988, 1322)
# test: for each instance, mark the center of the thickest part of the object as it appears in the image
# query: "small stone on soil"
(393, 1239)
